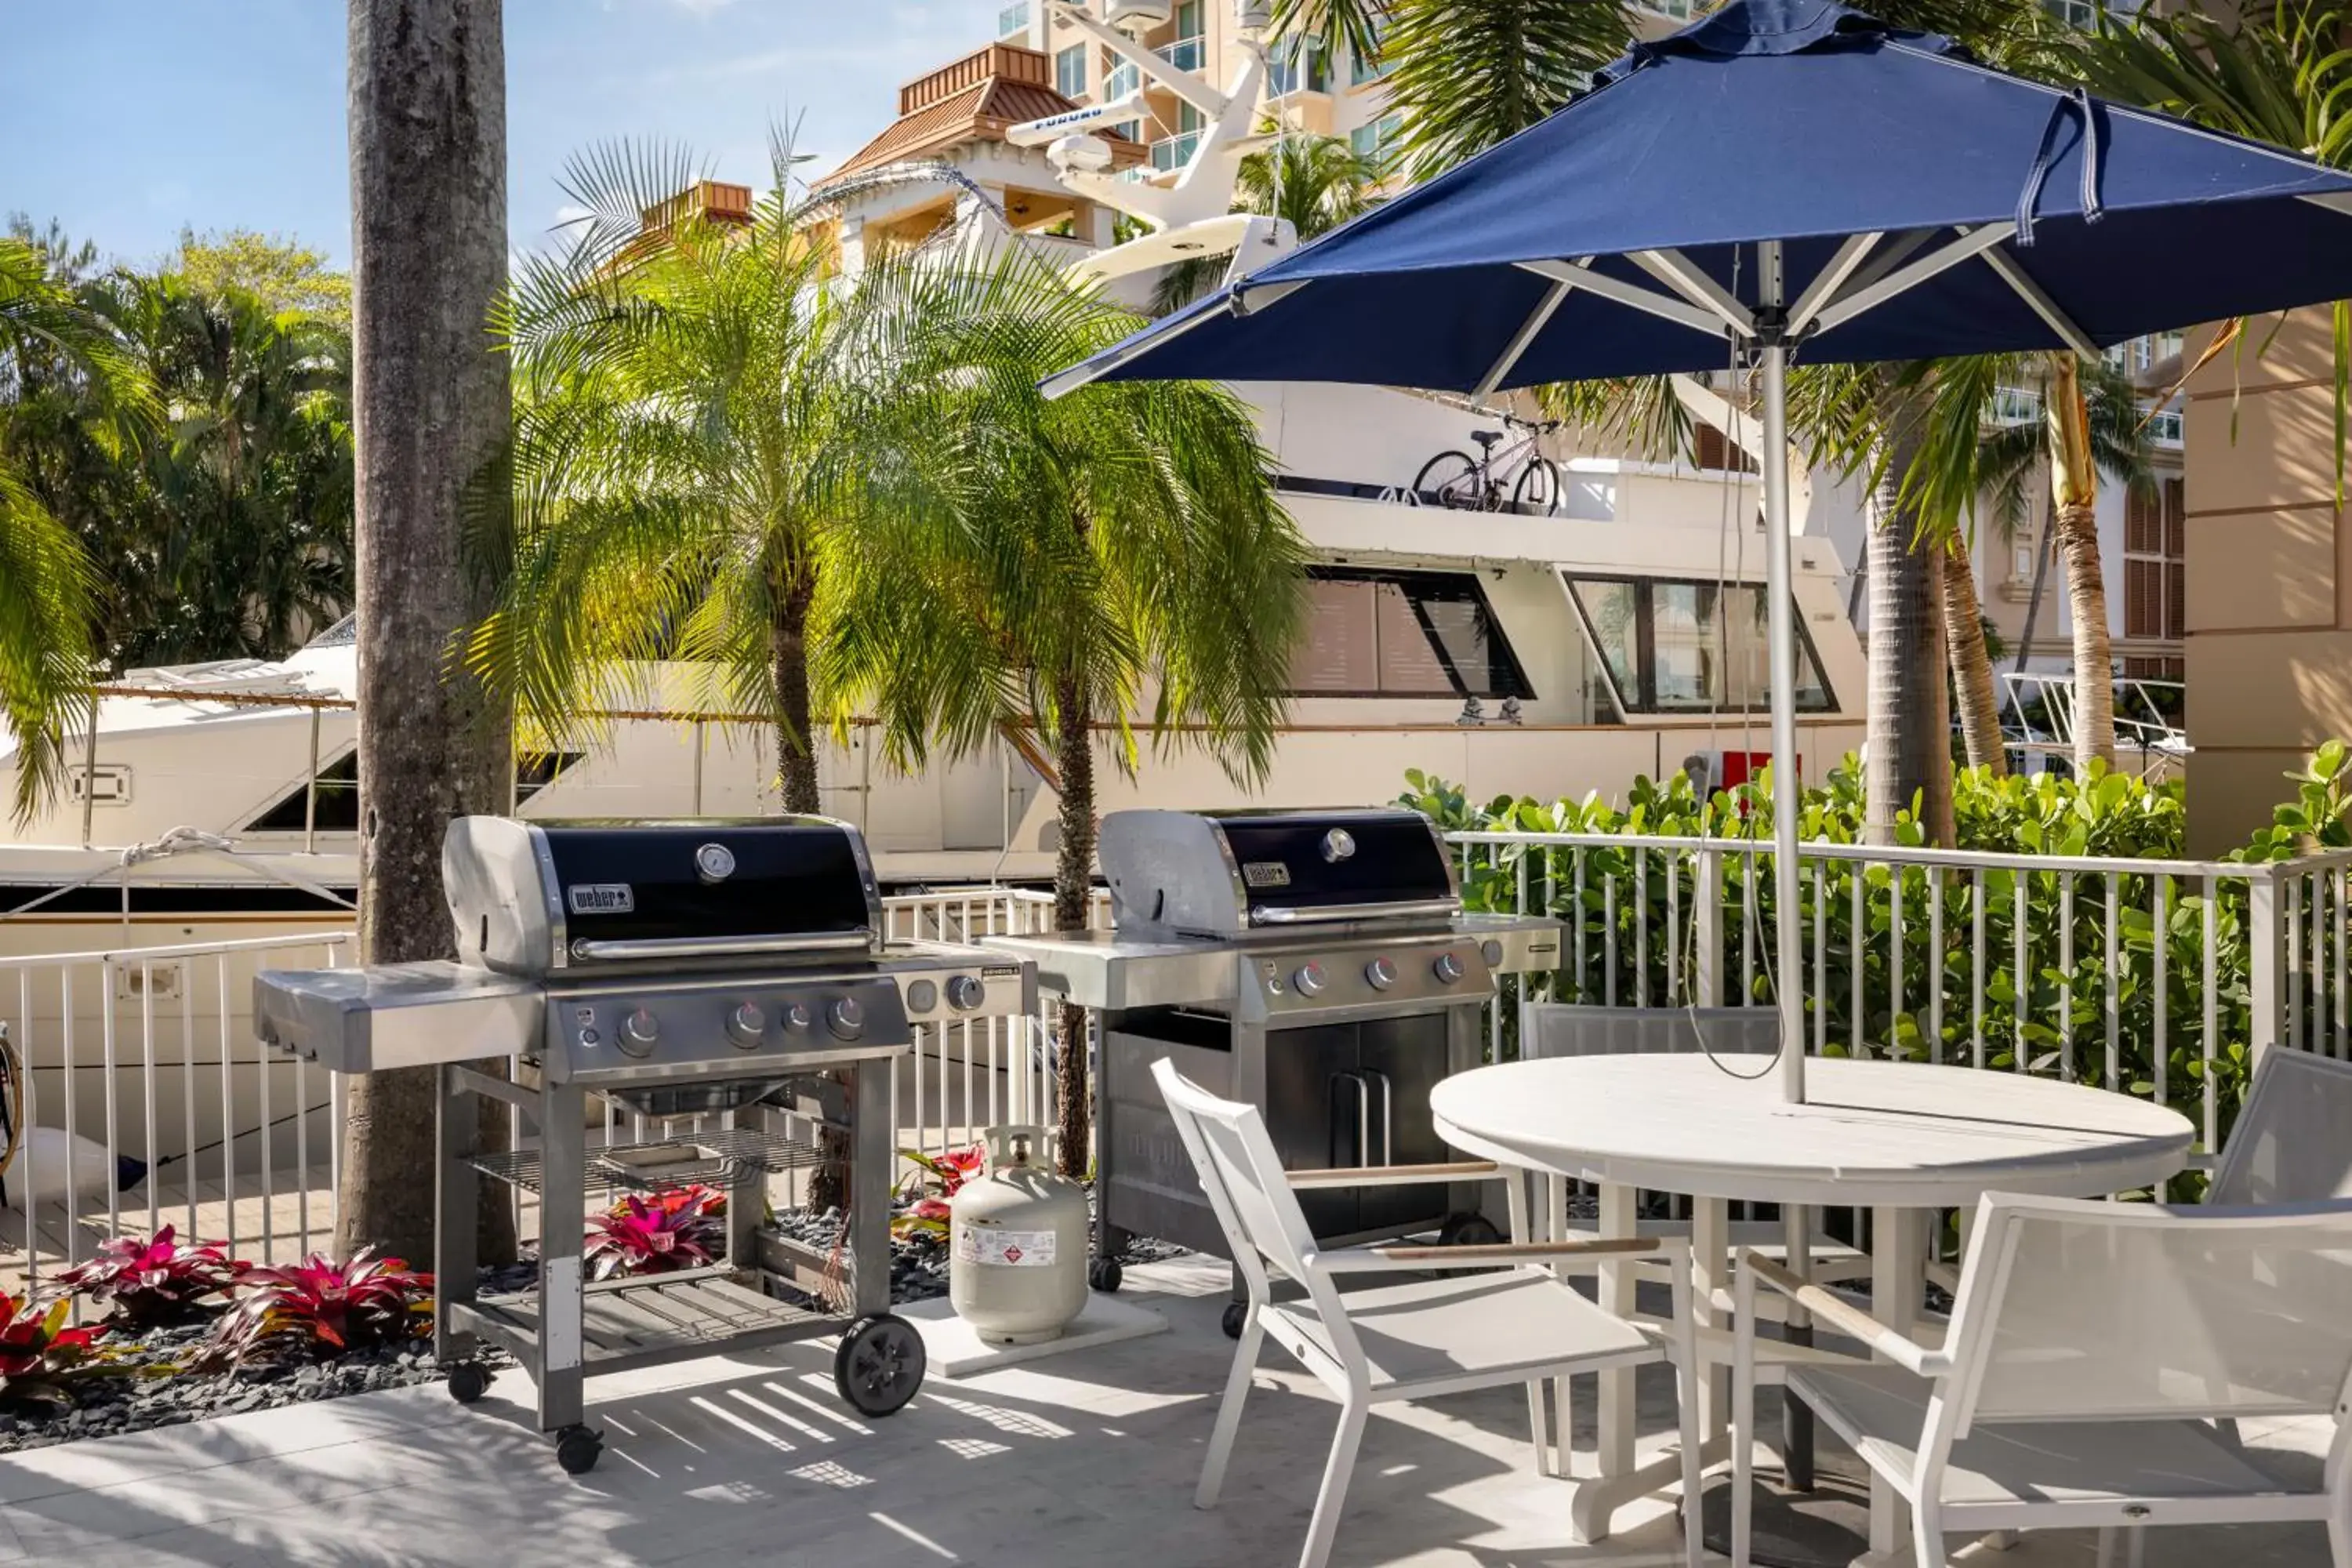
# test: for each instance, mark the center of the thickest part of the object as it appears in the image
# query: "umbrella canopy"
(2002, 215)
(1786, 178)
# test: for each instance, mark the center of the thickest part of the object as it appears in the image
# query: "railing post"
(1707, 933)
(2266, 978)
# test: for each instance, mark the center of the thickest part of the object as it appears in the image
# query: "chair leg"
(1538, 1428)
(2107, 1558)
(1687, 1376)
(2339, 1530)
(1229, 1410)
(1333, 1496)
(1928, 1535)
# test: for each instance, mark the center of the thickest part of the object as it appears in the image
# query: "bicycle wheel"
(1537, 489)
(1451, 479)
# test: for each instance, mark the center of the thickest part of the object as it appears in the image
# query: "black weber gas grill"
(1317, 964)
(698, 976)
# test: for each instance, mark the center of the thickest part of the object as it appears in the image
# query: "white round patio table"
(1902, 1139)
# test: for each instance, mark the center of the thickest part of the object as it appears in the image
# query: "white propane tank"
(1017, 1243)
(1137, 17)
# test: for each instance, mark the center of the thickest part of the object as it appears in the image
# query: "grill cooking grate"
(714, 1159)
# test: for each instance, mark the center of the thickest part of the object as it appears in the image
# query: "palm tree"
(1117, 553)
(58, 365)
(694, 415)
(1317, 182)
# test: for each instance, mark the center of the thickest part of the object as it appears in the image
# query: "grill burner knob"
(639, 1030)
(965, 991)
(1447, 968)
(1309, 979)
(796, 1015)
(1381, 973)
(746, 1026)
(846, 1018)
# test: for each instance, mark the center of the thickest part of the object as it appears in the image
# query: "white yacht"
(1609, 629)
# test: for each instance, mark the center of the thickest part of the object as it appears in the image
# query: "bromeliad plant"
(922, 1206)
(320, 1306)
(41, 1360)
(157, 1281)
(680, 1227)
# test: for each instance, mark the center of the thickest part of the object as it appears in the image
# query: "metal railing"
(2165, 979)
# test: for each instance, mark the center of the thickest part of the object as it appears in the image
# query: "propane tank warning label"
(1004, 1248)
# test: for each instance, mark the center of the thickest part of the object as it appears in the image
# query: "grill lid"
(1222, 873)
(529, 898)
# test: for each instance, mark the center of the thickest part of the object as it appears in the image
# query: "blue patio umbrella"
(1789, 179)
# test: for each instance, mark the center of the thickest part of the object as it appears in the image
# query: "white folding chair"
(1498, 1326)
(2092, 1348)
(2293, 1141)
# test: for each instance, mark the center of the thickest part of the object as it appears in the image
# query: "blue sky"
(127, 118)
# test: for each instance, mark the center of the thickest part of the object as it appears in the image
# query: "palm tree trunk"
(2075, 481)
(430, 407)
(1908, 730)
(788, 668)
(1074, 885)
(1971, 667)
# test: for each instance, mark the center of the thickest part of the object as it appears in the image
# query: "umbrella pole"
(1787, 965)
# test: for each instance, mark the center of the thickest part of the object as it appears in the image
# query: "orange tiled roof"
(975, 99)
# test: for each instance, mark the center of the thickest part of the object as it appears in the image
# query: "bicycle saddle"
(1486, 439)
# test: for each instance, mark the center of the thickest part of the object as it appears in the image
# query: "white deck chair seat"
(1883, 1410)
(1483, 1327)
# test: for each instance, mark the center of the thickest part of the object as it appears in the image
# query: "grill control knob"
(1381, 973)
(639, 1030)
(796, 1015)
(746, 1026)
(966, 992)
(1447, 967)
(1309, 979)
(846, 1018)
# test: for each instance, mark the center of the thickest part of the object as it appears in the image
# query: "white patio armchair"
(2293, 1141)
(1505, 1323)
(2092, 1349)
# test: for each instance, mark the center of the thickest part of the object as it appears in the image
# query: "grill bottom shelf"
(647, 1321)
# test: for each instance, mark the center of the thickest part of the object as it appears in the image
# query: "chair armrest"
(2206, 1160)
(1847, 1319)
(1394, 1175)
(1420, 1259)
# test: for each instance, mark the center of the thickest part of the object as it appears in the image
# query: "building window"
(1672, 10)
(2082, 14)
(1070, 71)
(1297, 66)
(1175, 152)
(2163, 427)
(1689, 647)
(1014, 18)
(1364, 66)
(1402, 634)
(2144, 353)
(338, 809)
(2155, 572)
(1120, 78)
(2015, 406)
(1186, 51)
(1374, 139)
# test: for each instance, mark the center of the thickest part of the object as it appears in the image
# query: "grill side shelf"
(714, 1159)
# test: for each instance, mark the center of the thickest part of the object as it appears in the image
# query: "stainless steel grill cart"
(698, 976)
(1315, 965)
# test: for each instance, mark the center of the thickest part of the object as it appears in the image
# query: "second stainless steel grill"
(1315, 965)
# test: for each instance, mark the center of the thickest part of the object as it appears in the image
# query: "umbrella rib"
(1972, 242)
(1633, 294)
(2012, 272)
(1678, 272)
(1831, 277)
(1535, 323)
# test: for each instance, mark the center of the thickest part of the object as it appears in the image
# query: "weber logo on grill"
(602, 898)
(1266, 874)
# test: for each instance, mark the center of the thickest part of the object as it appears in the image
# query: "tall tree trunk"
(1074, 887)
(2076, 481)
(1908, 727)
(1972, 684)
(430, 409)
(788, 667)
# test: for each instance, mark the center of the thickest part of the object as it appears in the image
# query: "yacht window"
(339, 793)
(1401, 634)
(1690, 647)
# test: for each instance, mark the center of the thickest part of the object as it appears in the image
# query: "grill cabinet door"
(1408, 1057)
(1312, 1093)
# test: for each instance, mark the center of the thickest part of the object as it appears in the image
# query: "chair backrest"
(2293, 1141)
(1240, 1173)
(2089, 1310)
(1570, 1029)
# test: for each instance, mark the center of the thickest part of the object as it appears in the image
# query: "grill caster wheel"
(1469, 1230)
(879, 1364)
(1104, 1275)
(1236, 1315)
(468, 1381)
(577, 1449)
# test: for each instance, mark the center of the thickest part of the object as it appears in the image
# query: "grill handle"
(1297, 915)
(625, 948)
